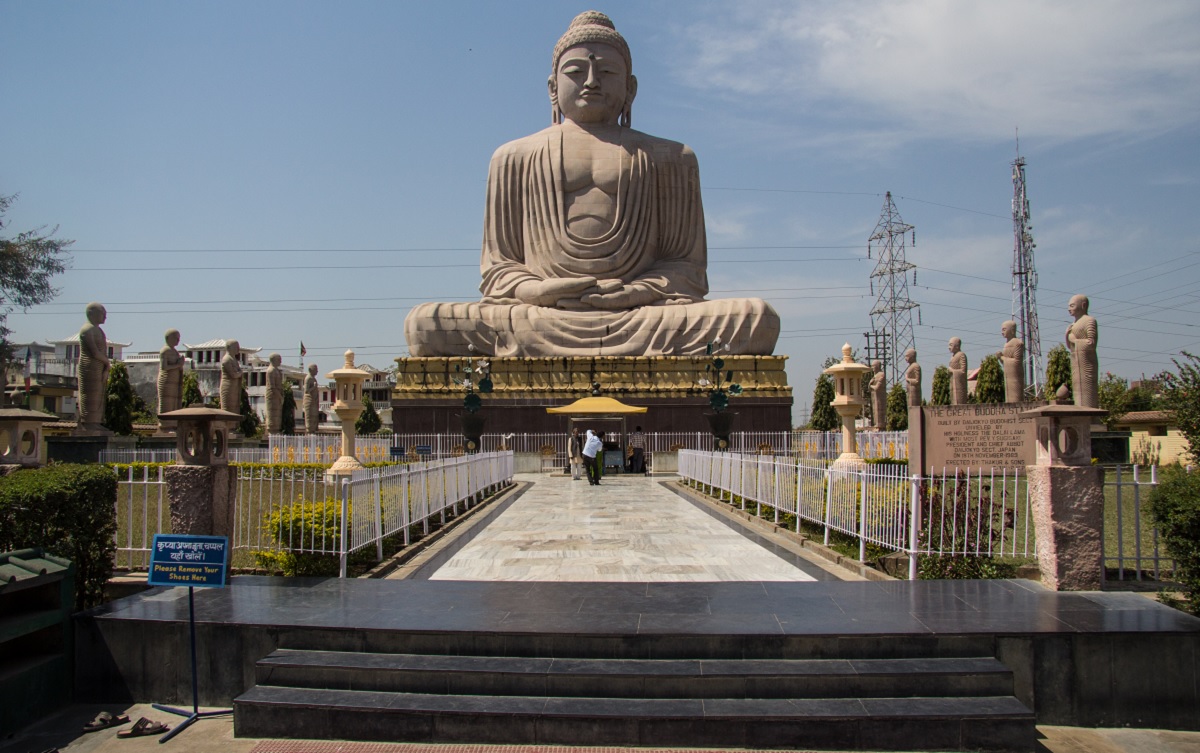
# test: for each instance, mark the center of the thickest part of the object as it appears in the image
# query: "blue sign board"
(423, 449)
(181, 560)
(396, 452)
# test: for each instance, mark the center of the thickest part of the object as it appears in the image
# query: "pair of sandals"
(140, 728)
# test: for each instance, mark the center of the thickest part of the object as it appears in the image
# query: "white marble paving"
(627, 529)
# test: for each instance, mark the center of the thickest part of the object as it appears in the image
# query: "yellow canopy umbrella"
(596, 406)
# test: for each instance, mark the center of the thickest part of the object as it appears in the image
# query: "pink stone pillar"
(1066, 494)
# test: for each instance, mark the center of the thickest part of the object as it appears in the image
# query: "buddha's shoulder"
(659, 148)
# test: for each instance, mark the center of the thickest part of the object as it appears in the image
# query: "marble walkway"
(628, 529)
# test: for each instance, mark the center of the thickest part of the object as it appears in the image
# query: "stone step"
(570, 639)
(633, 678)
(920, 723)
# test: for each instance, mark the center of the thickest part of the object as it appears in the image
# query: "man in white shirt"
(591, 455)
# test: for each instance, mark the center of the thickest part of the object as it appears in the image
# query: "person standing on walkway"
(575, 453)
(637, 440)
(591, 455)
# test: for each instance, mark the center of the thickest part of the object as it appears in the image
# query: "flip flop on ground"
(142, 727)
(104, 720)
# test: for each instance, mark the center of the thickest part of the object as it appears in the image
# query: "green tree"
(940, 390)
(824, 417)
(118, 406)
(27, 264)
(1115, 398)
(897, 408)
(191, 394)
(1058, 370)
(368, 421)
(250, 422)
(1181, 396)
(142, 412)
(287, 421)
(989, 384)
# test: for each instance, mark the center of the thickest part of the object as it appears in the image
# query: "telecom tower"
(1024, 279)
(891, 317)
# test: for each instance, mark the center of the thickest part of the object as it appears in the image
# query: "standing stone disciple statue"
(170, 374)
(1013, 358)
(312, 400)
(92, 370)
(878, 396)
(593, 238)
(912, 378)
(274, 394)
(231, 378)
(958, 373)
(1081, 341)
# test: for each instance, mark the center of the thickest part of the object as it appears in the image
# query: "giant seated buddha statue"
(593, 240)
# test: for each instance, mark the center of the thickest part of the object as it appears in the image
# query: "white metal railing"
(142, 511)
(298, 510)
(325, 448)
(978, 512)
(827, 445)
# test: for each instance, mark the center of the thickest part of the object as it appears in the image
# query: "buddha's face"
(1008, 331)
(312, 369)
(172, 338)
(1077, 306)
(591, 83)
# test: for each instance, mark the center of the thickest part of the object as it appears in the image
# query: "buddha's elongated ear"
(555, 113)
(626, 118)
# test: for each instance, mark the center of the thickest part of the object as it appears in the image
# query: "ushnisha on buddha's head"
(591, 80)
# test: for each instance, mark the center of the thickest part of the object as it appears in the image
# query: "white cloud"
(964, 70)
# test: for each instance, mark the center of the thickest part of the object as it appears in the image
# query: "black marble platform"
(1085, 659)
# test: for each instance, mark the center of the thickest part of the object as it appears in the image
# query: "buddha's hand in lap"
(555, 291)
(626, 297)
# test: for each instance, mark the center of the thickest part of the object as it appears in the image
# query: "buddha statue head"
(276, 360)
(96, 313)
(1008, 330)
(171, 337)
(591, 78)
(1078, 306)
(955, 344)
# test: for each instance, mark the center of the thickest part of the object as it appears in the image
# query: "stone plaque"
(978, 436)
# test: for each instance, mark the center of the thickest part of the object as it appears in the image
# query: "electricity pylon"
(892, 314)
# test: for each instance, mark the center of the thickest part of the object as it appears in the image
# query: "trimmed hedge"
(70, 511)
(1175, 505)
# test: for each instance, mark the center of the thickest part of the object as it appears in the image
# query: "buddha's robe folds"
(657, 242)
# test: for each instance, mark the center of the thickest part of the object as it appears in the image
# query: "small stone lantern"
(848, 402)
(1064, 433)
(21, 436)
(348, 407)
(202, 435)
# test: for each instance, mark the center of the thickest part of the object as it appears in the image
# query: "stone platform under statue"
(428, 396)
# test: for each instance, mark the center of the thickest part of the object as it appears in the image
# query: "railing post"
(378, 505)
(914, 526)
(828, 501)
(862, 515)
(344, 547)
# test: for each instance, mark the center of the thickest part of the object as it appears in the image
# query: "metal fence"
(966, 513)
(1130, 539)
(827, 445)
(299, 511)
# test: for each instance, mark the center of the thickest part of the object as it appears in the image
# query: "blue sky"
(285, 171)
